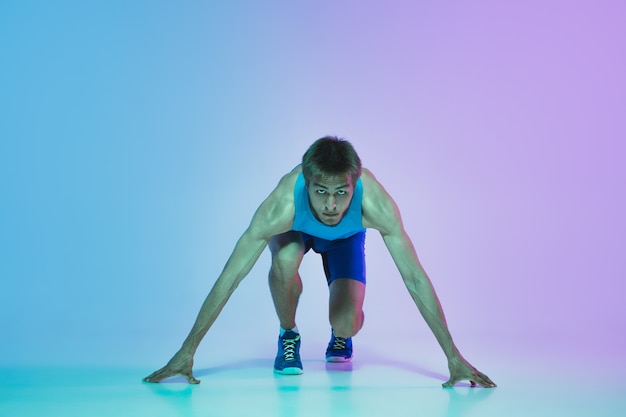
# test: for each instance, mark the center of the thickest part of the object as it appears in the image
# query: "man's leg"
(285, 283)
(344, 265)
(346, 317)
(346, 306)
(286, 286)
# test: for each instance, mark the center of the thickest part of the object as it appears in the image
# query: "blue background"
(138, 138)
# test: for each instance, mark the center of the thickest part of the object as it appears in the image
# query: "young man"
(324, 204)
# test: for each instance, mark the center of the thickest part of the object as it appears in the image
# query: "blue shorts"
(342, 258)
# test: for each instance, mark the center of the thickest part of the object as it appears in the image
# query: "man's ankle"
(282, 331)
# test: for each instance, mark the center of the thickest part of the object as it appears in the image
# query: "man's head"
(331, 168)
(331, 156)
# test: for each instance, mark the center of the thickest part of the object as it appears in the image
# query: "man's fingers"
(190, 378)
(485, 381)
(482, 380)
(479, 378)
(450, 382)
(167, 372)
(159, 375)
(153, 377)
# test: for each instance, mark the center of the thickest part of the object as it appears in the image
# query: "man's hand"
(460, 370)
(180, 364)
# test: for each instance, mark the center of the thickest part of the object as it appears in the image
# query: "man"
(324, 204)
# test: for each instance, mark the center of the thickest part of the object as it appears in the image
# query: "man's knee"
(287, 252)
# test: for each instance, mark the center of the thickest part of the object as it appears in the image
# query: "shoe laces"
(339, 343)
(289, 346)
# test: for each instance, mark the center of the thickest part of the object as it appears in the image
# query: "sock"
(295, 329)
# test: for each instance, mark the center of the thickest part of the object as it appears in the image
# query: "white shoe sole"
(338, 359)
(289, 371)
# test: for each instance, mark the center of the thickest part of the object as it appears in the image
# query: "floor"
(542, 384)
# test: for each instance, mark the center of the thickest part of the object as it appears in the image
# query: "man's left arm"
(421, 290)
(380, 212)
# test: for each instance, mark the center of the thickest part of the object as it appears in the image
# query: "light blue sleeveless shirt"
(306, 222)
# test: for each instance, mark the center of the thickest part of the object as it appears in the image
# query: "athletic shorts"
(342, 258)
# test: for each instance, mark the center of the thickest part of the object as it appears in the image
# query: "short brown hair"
(333, 157)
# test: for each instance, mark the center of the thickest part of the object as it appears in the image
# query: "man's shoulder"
(367, 175)
(288, 182)
(379, 210)
(371, 187)
(275, 215)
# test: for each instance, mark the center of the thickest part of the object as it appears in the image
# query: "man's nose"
(331, 203)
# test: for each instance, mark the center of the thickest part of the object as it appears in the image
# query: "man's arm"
(274, 216)
(380, 212)
(246, 252)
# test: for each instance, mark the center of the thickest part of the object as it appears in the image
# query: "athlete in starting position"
(324, 204)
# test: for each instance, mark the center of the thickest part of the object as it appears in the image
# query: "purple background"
(138, 138)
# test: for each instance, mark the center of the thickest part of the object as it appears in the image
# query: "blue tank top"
(306, 222)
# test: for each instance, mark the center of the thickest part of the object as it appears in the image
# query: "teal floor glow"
(368, 387)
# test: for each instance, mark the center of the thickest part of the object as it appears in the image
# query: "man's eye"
(321, 191)
(341, 192)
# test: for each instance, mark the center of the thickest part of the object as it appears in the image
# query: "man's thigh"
(344, 258)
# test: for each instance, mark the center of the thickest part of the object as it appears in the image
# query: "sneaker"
(339, 349)
(288, 358)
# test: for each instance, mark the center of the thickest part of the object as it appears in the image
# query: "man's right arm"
(245, 254)
(274, 216)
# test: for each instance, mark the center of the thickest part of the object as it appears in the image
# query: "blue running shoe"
(339, 349)
(288, 358)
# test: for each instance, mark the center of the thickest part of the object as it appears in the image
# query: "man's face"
(329, 197)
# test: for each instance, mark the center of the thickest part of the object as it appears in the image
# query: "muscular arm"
(244, 256)
(380, 212)
(420, 288)
(274, 216)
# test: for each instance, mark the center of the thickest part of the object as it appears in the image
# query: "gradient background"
(138, 138)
